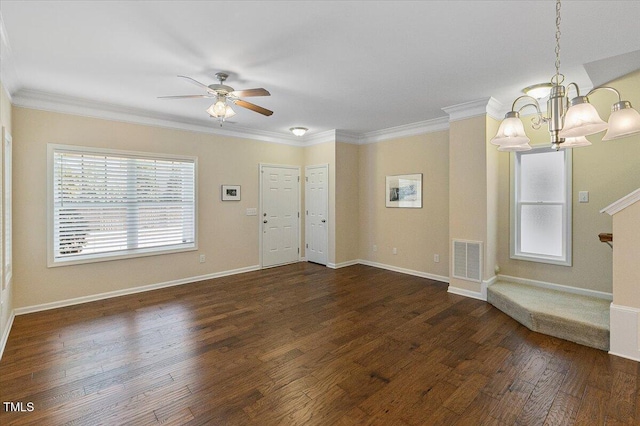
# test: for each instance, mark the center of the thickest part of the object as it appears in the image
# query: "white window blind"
(541, 214)
(112, 204)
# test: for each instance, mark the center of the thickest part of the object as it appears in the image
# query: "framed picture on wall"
(230, 192)
(404, 191)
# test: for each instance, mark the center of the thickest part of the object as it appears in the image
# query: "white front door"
(280, 215)
(316, 210)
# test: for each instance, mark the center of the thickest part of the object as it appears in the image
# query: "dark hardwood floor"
(304, 344)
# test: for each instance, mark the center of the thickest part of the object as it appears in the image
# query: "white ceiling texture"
(356, 66)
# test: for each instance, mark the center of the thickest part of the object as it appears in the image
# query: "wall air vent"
(467, 260)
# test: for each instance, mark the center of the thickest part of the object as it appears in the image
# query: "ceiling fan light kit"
(225, 96)
(568, 122)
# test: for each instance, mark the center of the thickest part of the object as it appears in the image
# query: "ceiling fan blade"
(253, 107)
(250, 92)
(185, 96)
(196, 82)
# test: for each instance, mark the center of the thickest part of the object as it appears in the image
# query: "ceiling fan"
(224, 96)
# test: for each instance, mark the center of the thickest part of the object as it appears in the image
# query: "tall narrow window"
(108, 204)
(541, 206)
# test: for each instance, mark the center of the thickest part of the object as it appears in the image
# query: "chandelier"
(569, 121)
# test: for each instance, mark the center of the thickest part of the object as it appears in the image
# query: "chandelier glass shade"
(624, 121)
(511, 132)
(575, 142)
(568, 122)
(581, 119)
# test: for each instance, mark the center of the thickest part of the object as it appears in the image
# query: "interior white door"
(316, 209)
(280, 215)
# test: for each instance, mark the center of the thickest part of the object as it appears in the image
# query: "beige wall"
(608, 170)
(626, 250)
(468, 201)
(6, 293)
(418, 234)
(227, 237)
(347, 204)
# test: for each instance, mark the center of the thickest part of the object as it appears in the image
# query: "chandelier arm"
(535, 103)
(606, 88)
(538, 119)
(574, 85)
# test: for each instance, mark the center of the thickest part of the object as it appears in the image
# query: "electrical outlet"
(375, 247)
(202, 258)
(394, 251)
(436, 258)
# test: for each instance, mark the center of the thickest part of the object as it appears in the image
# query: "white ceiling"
(357, 66)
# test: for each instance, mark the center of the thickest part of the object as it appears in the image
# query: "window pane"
(541, 229)
(542, 177)
(111, 204)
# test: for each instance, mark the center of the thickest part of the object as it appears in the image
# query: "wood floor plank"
(303, 344)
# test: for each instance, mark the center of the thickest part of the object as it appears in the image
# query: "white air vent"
(467, 260)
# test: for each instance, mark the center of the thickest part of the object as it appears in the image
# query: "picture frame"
(404, 191)
(230, 192)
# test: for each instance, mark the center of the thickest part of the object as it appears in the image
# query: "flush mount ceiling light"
(569, 122)
(298, 131)
(538, 91)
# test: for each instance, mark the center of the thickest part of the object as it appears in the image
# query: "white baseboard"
(342, 264)
(133, 290)
(404, 270)
(468, 293)
(5, 333)
(625, 332)
(558, 287)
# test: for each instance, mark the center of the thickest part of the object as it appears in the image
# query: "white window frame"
(515, 229)
(130, 253)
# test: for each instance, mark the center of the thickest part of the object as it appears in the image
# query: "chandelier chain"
(558, 40)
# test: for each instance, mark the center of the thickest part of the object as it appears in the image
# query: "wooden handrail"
(606, 238)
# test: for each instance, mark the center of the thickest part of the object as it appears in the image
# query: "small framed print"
(404, 191)
(230, 192)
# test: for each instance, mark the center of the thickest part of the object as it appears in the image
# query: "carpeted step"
(580, 319)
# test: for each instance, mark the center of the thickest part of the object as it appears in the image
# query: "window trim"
(514, 231)
(134, 253)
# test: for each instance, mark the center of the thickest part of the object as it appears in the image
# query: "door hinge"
(307, 212)
(298, 250)
(298, 215)
(306, 245)
(306, 178)
(298, 178)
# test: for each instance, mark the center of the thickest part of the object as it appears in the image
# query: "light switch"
(252, 211)
(583, 196)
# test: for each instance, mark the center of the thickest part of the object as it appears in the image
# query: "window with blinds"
(108, 204)
(541, 206)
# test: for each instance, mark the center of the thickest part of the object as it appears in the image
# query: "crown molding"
(475, 108)
(82, 107)
(45, 101)
(412, 129)
(622, 203)
(348, 137)
(319, 138)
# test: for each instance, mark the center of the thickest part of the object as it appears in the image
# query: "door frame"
(261, 166)
(315, 166)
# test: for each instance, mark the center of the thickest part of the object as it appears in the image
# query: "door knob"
(323, 221)
(264, 221)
